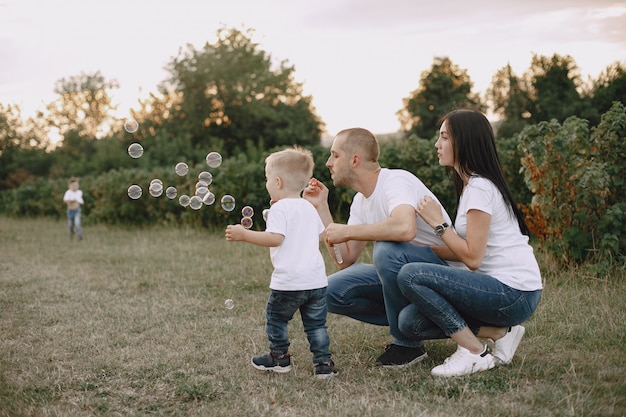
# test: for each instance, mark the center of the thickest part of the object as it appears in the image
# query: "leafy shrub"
(577, 179)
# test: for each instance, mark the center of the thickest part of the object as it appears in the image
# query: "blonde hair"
(72, 180)
(294, 166)
(362, 142)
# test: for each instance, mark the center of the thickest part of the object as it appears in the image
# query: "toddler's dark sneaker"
(325, 370)
(272, 362)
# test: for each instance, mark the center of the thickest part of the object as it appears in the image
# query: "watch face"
(440, 229)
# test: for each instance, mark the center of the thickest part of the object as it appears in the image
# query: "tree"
(83, 106)
(508, 95)
(227, 93)
(81, 115)
(555, 88)
(443, 88)
(609, 88)
(22, 149)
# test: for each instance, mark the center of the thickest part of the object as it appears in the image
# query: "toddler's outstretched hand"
(234, 232)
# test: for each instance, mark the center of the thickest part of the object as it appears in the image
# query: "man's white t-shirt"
(508, 257)
(298, 262)
(73, 195)
(395, 187)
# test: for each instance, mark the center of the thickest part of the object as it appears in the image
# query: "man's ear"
(356, 160)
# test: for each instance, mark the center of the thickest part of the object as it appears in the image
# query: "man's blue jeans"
(357, 292)
(282, 305)
(445, 300)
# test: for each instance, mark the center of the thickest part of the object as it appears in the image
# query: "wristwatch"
(440, 229)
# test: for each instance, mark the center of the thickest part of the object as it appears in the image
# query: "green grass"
(131, 322)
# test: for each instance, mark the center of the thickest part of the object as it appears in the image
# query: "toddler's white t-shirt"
(298, 262)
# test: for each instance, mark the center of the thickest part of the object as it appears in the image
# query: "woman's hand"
(430, 211)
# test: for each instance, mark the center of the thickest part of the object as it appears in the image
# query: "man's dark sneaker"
(396, 356)
(325, 370)
(272, 362)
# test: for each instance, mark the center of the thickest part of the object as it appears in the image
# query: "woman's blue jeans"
(390, 258)
(369, 293)
(282, 305)
(445, 300)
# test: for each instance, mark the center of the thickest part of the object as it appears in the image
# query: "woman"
(503, 285)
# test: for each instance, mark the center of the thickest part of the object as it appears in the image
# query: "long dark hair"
(475, 153)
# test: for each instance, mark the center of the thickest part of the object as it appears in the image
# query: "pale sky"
(357, 58)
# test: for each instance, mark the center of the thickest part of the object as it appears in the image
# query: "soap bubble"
(195, 202)
(131, 125)
(183, 200)
(135, 150)
(206, 177)
(247, 211)
(171, 192)
(134, 191)
(156, 190)
(228, 202)
(201, 191)
(209, 198)
(214, 159)
(229, 304)
(247, 222)
(265, 212)
(181, 168)
(156, 187)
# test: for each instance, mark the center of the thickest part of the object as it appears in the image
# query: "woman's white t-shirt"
(298, 262)
(508, 257)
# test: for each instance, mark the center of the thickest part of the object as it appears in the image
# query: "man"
(383, 211)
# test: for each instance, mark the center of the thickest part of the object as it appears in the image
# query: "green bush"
(106, 195)
(577, 180)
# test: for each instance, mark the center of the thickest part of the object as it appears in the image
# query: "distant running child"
(73, 199)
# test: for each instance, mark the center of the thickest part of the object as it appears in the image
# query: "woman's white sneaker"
(505, 347)
(463, 362)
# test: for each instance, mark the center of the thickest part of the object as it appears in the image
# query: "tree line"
(230, 96)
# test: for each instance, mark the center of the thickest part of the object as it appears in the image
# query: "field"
(132, 322)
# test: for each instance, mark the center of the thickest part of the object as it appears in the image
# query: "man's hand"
(336, 233)
(316, 193)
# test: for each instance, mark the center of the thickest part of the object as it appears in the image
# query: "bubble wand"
(338, 256)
